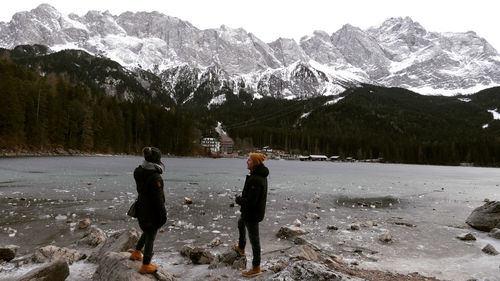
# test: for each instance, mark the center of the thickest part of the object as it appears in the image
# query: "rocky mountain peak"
(43, 11)
(399, 52)
(361, 50)
(287, 51)
(401, 25)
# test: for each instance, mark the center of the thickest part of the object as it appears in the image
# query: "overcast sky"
(271, 19)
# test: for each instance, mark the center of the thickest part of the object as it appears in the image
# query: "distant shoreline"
(72, 152)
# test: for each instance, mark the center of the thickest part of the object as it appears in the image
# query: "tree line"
(45, 112)
(391, 124)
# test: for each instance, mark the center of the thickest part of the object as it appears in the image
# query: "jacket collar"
(152, 166)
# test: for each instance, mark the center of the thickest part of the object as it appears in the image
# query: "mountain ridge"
(397, 53)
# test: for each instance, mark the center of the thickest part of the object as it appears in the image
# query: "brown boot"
(252, 272)
(238, 250)
(136, 255)
(148, 268)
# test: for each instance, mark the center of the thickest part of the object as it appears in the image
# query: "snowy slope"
(397, 53)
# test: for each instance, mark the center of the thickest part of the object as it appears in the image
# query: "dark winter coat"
(254, 195)
(150, 206)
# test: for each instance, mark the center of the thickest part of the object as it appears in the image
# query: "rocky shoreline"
(296, 258)
(295, 255)
(4, 153)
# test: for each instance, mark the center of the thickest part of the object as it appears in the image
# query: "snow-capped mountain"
(398, 53)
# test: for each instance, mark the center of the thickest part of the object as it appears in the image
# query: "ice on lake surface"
(41, 200)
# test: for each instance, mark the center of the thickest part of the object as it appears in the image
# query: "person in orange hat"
(253, 207)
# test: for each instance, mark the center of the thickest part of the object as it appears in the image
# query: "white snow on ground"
(447, 92)
(334, 101)
(496, 115)
(305, 115)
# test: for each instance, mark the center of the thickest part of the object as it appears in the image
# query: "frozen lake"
(39, 195)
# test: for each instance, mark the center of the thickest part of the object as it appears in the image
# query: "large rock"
(287, 232)
(229, 258)
(186, 250)
(490, 250)
(8, 252)
(201, 256)
(486, 217)
(307, 270)
(495, 233)
(118, 242)
(118, 267)
(51, 253)
(304, 252)
(93, 237)
(58, 270)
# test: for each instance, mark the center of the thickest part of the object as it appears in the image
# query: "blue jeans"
(253, 235)
(147, 240)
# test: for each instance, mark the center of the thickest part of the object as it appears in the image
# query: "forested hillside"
(71, 99)
(45, 112)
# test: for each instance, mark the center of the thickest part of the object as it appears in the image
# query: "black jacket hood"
(260, 170)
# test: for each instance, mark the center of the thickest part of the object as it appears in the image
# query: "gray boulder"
(8, 252)
(490, 250)
(93, 237)
(201, 256)
(51, 253)
(304, 252)
(58, 270)
(495, 233)
(486, 217)
(287, 232)
(186, 250)
(386, 237)
(118, 242)
(118, 267)
(467, 237)
(310, 271)
(229, 258)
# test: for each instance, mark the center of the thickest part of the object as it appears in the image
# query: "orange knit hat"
(257, 158)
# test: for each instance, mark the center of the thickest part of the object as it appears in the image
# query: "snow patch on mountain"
(334, 101)
(218, 100)
(68, 46)
(304, 115)
(494, 112)
(451, 92)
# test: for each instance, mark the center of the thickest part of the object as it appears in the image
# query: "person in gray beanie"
(150, 206)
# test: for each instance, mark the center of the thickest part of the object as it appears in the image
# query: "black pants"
(253, 235)
(147, 241)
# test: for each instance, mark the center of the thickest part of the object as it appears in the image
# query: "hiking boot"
(238, 250)
(136, 255)
(252, 272)
(148, 268)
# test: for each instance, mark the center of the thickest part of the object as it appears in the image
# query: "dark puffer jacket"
(150, 207)
(254, 195)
